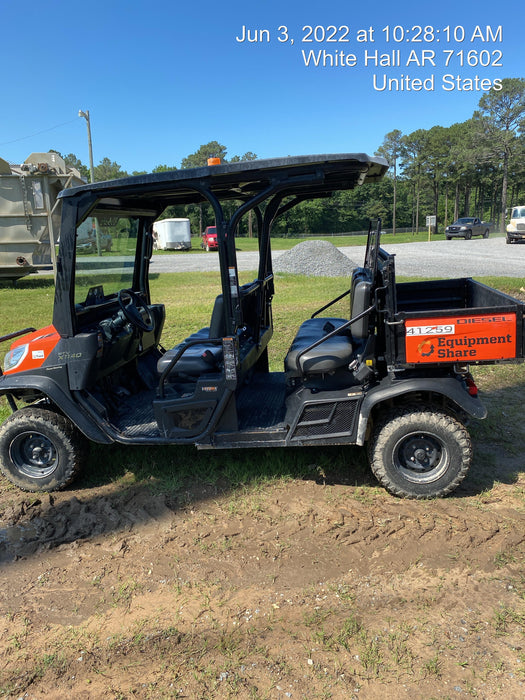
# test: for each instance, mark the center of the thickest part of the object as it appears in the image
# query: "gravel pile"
(315, 259)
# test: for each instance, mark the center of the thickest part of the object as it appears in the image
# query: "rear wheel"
(418, 453)
(486, 234)
(41, 450)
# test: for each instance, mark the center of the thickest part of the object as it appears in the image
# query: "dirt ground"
(310, 588)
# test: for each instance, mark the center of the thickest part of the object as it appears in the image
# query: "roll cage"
(392, 372)
(267, 187)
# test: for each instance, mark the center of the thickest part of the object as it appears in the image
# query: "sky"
(273, 77)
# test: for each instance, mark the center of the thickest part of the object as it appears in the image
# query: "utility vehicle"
(391, 373)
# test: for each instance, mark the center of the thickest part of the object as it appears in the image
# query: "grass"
(251, 244)
(245, 244)
(188, 298)
(349, 642)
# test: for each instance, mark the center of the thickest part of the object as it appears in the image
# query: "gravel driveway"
(456, 258)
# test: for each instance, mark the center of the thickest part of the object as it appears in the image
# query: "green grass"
(251, 244)
(189, 299)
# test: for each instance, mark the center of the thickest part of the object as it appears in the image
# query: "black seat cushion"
(197, 359)
(329, 356)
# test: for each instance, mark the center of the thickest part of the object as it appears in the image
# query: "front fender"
(20, 384)
(442, 386)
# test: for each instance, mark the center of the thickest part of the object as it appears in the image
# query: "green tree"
(163, 168)
(413, 154)
(391, 149)
(435, 162)
(501, 117)
(213, 149)
(108, 170)
(73, 162)
(249, 155)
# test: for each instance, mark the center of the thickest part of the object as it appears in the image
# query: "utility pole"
(91, 172)
(88, 123)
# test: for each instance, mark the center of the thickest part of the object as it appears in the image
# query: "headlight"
(15, 356)
(463, 228)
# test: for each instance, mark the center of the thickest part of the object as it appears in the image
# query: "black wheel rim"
(421, 457)
(33, 454)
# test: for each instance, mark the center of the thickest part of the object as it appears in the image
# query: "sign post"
(431, 221)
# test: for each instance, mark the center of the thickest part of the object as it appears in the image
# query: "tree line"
(472, 168)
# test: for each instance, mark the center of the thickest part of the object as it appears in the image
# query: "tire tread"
(74, 444)
(401, 417)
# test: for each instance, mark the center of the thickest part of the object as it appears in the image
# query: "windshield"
(105, 256)
(518, 213)
(466, 220)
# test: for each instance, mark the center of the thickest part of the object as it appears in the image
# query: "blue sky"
(160, 78)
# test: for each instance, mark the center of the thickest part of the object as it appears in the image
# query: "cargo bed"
(455, 321)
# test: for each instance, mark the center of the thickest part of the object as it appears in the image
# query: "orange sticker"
(461, 338)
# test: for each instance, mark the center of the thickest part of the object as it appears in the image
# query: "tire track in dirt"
(255, 585)
(388, 534)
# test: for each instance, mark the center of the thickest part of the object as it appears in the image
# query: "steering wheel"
(131, 304)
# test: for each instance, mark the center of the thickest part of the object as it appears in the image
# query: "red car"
(209, 238)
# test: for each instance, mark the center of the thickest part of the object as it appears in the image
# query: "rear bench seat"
(205, 357)
(327, 357)
(202, 357)
(339, 350)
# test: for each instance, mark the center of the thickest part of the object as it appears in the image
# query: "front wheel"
(418, 453)
(41, 450)
(468, 235)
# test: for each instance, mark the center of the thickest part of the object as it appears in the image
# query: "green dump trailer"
(30, 212)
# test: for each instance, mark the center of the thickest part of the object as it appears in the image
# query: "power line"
(22, 138)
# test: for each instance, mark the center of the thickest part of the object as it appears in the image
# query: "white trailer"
(172, 234)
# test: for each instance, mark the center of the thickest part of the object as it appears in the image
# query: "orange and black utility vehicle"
(391, 373)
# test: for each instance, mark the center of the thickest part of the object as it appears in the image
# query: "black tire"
(468, 235)
(486, 234)
(419, 453)
(449, 238)
(41, 450)
(509, 240)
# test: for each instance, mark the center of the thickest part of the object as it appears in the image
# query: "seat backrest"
(217, 324)
(360, 300)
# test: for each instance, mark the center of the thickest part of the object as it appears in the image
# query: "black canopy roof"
(304, 176)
